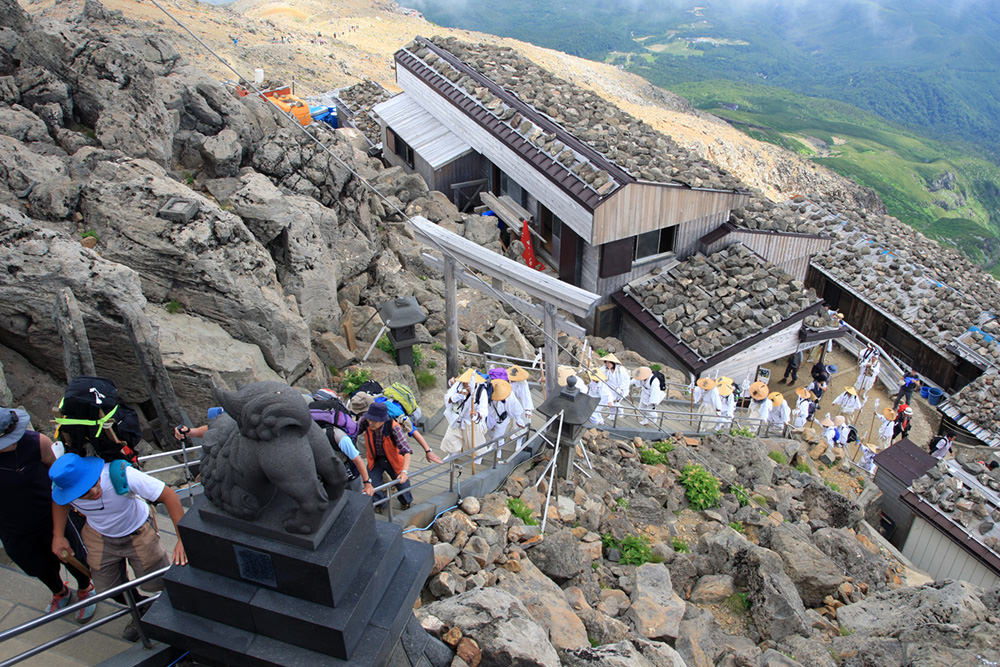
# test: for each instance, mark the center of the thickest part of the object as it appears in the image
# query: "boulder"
(498, 622)
(195, 351)
(815, 575)
(844, 549)
(559, 556)
(656, 610)
(712, 588)
(623, 654)
(775, 605)
(223, 153)
(546, 604)
(821, 502)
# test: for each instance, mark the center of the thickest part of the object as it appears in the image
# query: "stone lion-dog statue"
(266, 442)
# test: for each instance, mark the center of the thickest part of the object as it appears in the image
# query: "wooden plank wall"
(466, 168)
(643, 207)
(790, 253)
(936, 553)
(483, 141)
(689, 233)
(871, 322)
(636, 338)
(774, 347)
(893, 506)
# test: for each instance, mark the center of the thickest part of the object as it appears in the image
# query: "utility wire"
(499, 295)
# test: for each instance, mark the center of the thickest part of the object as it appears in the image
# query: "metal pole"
(551, 351)
(136, 618)
(451, 477)
(450, 318)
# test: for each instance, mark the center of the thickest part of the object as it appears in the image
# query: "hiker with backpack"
(503, 411)
(779, 414)
(406, 423)
(26, 513)
(120, 528)
(388, 452)
(92, 420)
(652, 391)
(465, 406)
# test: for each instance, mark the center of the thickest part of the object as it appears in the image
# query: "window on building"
(395, 144)
(656, 242)
(509, 187)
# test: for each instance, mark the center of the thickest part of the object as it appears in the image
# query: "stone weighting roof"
(620, 138)
(712, 303)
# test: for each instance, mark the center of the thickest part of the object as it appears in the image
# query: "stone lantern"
(402, 315)
(576, 408)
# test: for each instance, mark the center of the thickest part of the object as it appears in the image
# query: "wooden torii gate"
(551, 292)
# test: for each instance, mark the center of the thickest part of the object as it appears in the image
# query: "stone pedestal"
(252, 595)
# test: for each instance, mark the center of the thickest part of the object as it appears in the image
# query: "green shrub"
(354, 379)
(601, 352)
(742, 494)
(519, 509)
(664, 446)
(651, 456)
(656, 367)
(760, 500)
(596, 565)
(804, 467)
(737, 526)
(418, 356)
(621, 503)
(778, 457)
(431, 363)
(174, 306)
(702, 489)
(386, 345)
(635, 549)
(91, 233)
(742, 432)
(425, 379)
(437, 347)
(679, 545)
(833, 486)
(737, 603)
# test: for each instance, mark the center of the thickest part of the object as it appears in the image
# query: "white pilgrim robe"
(499, 417)
(848, 404)
(463, 432)
(801, 413)
(760, 409)
(866, 381)
(618, 384)
(650, 395)
(522, 392)
(599, 390)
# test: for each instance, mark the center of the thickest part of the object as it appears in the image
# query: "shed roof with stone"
(712, 304)
(587, 143)
(964, 496)
(359, 100)
(976, 408)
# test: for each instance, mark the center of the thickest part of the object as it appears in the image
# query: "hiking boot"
(131, 632)
(59, 600)
(404, 506)
(85, 614)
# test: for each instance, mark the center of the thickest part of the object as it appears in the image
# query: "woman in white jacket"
(617, 382)
(464, 411)
(651, 393)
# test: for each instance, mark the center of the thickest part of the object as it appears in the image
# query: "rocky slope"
(102, 123)
(635, 568)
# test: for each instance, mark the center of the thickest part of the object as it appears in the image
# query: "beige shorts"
(107, 556)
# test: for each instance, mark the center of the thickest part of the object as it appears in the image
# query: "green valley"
(935, 186)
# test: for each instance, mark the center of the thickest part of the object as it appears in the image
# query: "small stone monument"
(285, 566)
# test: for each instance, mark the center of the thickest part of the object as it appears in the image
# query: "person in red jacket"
(387, 450)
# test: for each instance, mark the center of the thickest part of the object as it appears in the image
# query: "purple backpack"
(498, 374)
(332, 412)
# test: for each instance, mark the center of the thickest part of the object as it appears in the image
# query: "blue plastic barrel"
(923, 391)
(934, 395)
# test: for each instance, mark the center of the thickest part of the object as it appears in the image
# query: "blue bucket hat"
(13, 424)
(377, 412)
(73, 475)
(831, 369)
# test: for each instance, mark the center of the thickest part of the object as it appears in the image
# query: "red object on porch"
(529, 248)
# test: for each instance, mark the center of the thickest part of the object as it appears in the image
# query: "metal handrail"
(452, 462)
(38, 622)
(740, 418)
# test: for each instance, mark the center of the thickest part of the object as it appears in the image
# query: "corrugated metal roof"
(423, 132)
(905, 461)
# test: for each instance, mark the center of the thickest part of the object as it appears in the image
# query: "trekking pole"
(184, 430)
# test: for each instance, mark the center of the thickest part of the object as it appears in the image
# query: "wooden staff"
(70, 559)
(868, 438)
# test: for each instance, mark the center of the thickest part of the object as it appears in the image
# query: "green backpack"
(400, 393)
